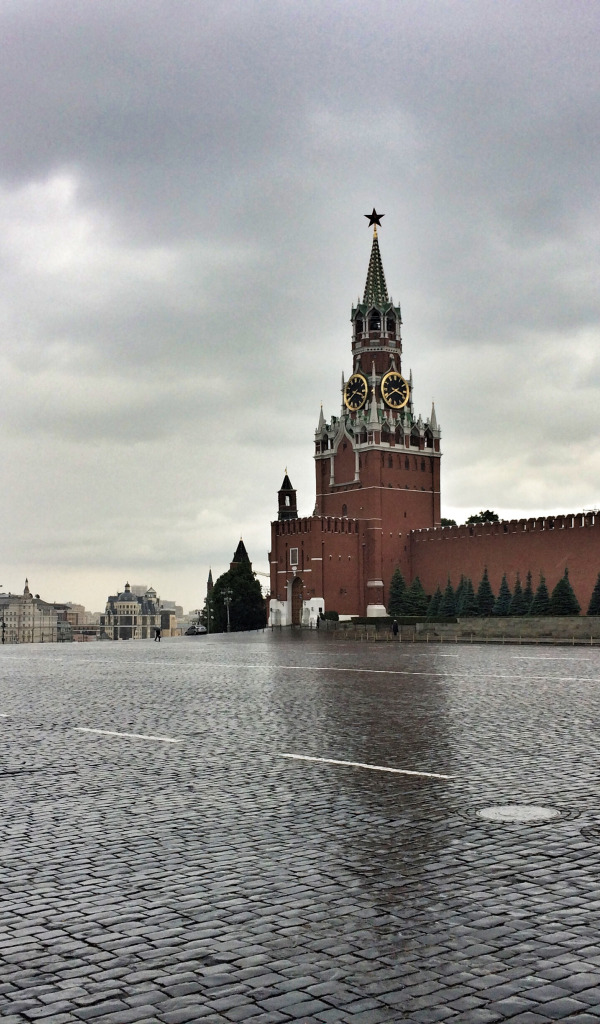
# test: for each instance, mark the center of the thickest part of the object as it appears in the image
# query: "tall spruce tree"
(458, 594)
(433, 609)
(485, 596)
(468, 608)
(594, 605)
(247, 609)
(541, 599)
(416, 598)
(397, 599)
(563, 600)
(447, 609)
(528, 593)
(518, 605)
(502, 602)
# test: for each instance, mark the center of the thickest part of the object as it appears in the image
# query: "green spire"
(375, 287)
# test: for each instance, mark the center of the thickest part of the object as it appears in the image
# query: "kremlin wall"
(545, 546)
(378, 497)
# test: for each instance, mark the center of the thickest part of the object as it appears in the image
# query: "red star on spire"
(374, 218)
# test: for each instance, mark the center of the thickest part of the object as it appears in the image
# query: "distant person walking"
(395, 627)
(157, 631)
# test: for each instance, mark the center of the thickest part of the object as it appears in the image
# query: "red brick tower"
(376, 462)
(378, 478)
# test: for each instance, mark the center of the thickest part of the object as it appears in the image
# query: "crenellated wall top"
(310, 524)
(574, 521)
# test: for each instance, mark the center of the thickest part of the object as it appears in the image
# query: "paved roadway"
(175, 865)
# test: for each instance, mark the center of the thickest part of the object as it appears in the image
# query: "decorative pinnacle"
(375, 286)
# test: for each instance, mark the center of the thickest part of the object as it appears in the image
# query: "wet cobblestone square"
(208, 829)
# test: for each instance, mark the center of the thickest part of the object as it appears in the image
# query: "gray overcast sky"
(182, 190)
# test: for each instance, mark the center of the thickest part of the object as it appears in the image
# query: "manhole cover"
(518, 813)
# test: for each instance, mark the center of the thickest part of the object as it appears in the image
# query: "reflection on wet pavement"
(214, 879)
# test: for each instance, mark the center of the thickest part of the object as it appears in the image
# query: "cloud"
(181, 240)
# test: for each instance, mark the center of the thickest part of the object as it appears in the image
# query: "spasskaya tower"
(377, 476)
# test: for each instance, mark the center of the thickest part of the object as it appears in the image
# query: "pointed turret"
(374, 407)
(288, 507)
(240, 555)
(376, 320)
(375, 286)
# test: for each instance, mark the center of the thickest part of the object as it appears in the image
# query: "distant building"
(25, 619)
(129, 616)
(170, 613)
(78, 616)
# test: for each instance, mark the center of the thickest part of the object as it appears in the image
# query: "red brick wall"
(547, 545)
(330, 560)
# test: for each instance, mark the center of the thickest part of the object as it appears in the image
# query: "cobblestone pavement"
(175, 866)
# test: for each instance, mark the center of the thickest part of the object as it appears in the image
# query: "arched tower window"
(359, 326)
(374, 320)
(390, 325)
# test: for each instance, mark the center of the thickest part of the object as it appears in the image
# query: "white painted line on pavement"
(334, 668)
(270, 666)
(3, 716)
(532, 657)
(371, 767)
(127, 735)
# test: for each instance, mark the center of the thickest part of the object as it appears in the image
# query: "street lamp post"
(227, 596)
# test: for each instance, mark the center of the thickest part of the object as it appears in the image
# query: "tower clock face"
(394, 389)
(356, 391)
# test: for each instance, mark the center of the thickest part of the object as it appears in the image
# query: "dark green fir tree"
(433, 609)
(594, 605)
(397, 599)
(239, 588)
(528, 593)
(447, 609)
(541, 599)
(468, 601)
(518, 605)
(458, 594)
(485, 596)
(502, 603)
(416, 599)
(563, 600)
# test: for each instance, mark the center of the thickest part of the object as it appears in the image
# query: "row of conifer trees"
(465, 601)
